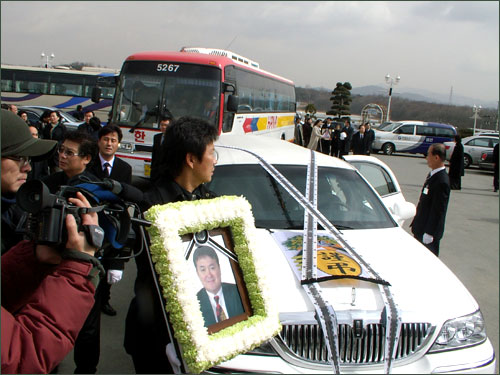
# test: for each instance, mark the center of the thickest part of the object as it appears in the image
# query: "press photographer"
(46, 293)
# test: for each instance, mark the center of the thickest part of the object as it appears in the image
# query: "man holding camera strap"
(46, 294)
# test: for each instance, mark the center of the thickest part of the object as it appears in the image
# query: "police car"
(378, 300)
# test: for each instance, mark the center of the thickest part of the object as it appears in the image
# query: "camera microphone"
(125, 191)
(112, 185)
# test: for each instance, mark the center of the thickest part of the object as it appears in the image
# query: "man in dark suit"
(370, 137)
(359, 141)
(107, 165)
(218, 301)
(428, 223)
(158, 139)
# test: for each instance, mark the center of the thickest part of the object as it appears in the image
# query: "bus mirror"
(228, 88)
(232, 103)
(96, 94)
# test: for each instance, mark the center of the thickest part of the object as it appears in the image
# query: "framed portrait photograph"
(212, 275)
(221, 292)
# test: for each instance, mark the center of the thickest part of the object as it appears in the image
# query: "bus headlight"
(126, 147)
(460, 332)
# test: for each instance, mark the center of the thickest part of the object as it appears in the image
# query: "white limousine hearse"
(356, 293)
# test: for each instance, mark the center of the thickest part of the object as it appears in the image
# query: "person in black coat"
(110, 137)
(107, 165)
(359, 141)
(428, 223)
(187, 162)
(336, 141)
(39, 168)
(158, 139)
(370, 137)
(347, 139)
(456, 170)
(55, 130)
(307, 130)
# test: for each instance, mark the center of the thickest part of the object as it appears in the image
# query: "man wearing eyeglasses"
(18, 146)
(74, 154)
(46, 293)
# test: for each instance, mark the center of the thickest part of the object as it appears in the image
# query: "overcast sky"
(431, 45)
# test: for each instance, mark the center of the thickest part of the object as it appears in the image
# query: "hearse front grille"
(307, 342)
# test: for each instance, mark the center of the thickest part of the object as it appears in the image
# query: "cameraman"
(18, 147)
(46, 294)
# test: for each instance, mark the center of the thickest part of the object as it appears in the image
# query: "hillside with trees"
(404, 109)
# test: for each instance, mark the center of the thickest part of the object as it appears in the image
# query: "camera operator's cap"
(17, 139)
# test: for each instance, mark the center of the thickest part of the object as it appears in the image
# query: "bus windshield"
(150, 89)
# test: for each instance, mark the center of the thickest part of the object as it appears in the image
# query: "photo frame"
(174, 227)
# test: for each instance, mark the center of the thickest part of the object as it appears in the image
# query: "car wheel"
(467, 161)
(388, 148)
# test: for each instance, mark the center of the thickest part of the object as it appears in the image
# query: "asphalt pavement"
(470, 248)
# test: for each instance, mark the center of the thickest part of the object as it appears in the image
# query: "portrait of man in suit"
(218, 300)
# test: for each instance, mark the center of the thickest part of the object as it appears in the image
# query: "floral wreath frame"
(170, 222)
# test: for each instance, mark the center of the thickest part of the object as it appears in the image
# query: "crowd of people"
(52, 297)
(39, 331)
(334, 138)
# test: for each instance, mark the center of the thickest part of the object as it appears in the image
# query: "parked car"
(486, 161)
(383, 180)
(441, 326)
(474, 146)
(411, 136)
(35, 112)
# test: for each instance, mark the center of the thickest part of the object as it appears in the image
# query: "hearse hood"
(422, 287)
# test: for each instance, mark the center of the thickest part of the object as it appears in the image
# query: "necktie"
(219, 311)
(106, 169)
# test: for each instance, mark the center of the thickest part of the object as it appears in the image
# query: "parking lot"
(470, 247)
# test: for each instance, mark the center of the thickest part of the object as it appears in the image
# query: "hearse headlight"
(460, 332)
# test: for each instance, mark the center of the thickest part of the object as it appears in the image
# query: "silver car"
(35, 112)
(474, 146)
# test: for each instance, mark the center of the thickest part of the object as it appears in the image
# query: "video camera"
(46, 221)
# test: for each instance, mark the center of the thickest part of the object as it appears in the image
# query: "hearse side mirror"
(96, 94)
(232, 103)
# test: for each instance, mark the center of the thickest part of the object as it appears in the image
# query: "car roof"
(479, 136)
(272, 150)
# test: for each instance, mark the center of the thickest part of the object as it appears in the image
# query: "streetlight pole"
(390, 81)
(46, 57)
(476, 116)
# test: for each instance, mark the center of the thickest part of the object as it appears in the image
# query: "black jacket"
(359, 146)
(57, 134)
(457, 161)
(146, 334)
(121, 171)
(58, 179)
(156, 157)
(432, 206)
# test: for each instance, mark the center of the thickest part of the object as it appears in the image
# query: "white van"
(411, 136)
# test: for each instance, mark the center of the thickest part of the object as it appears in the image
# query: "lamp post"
(390, 81)
(46, 57)
(476, 116)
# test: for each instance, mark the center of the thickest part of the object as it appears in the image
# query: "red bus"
(224, 88)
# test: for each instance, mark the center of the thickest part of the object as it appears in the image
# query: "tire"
(467, 161)
(388, 148)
